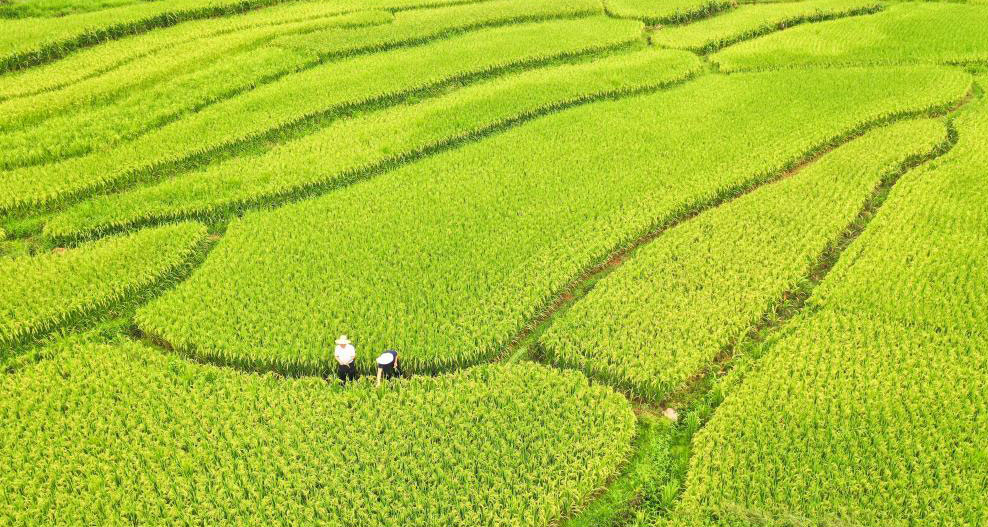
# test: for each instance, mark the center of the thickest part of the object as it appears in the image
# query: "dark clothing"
(346, 372)
(389, 370)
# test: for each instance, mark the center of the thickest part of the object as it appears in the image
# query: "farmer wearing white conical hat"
(387, 365)
(345, 354)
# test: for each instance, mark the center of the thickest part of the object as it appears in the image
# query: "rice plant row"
(753, 20)
(103, 111)
(681, 300)
(26, 42)
(394, 135)
(872, 410)
(935, 33)
(41, 292)
(668, 12)
(318, 91)
(934, 244)
(447, 259)
(124, 434)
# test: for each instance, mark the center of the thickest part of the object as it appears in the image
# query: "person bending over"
(387, 365)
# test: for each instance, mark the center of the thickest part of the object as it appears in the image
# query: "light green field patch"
(929, 33)
(926, 250)
(665, 11)
(447, 259)
(318, 91)
(749, 21)
(40, 292)
(667, 313)
(347, 147)
(185, 444)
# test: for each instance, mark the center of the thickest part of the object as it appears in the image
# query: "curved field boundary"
(316, 95)
(694, 291)
(913, 33)
(469, 214)
(39, 46)
(114, 111)
(86, 37)
(208, 435)
(752, 21)
(666, 12)
(370, 144)
(40, 293)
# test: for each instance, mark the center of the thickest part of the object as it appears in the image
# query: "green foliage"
(447, 259)
(934, 244)
(904, 33)
(29, 8)
(666, 12)
(753, 20)
(682, 299)
(872, 409)
(353, 146)
(109, 435)
(221, 62)
(850, 421)
(38, 293)
(315, 93)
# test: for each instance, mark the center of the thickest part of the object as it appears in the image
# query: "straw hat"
(343, 341)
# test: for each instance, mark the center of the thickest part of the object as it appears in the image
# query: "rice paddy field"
(664, 263)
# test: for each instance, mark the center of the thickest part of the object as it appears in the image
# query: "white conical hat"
(343, 341)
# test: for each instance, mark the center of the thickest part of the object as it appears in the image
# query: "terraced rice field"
(682, 263)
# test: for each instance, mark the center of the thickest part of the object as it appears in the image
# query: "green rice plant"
(54, 8)
(100, 434)
(110, 109)
(927, 33)
(872, 408)
(38, 293)
(933, 240)
(25, 42)
(354, 146)
(307, 95)
(131, 100)
(28, 42)
(666, 12)
(669, 311)
(754, 20)
(95, 61)
(447, 259)
(849, 421)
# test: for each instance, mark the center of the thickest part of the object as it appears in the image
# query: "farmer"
(345, 353)
(387, 365)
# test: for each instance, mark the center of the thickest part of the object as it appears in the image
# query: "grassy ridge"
(314, 94)
(41, 292)
(682, 299)
(446, 259)
(929, 33)
(348, 148)
(181, 443)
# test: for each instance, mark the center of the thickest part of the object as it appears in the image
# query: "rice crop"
(102, 435)
(662, 317)
(353, 146)
(753, 20)
(923, 33)
(448, 258)
(306, 95)
(41, 292)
